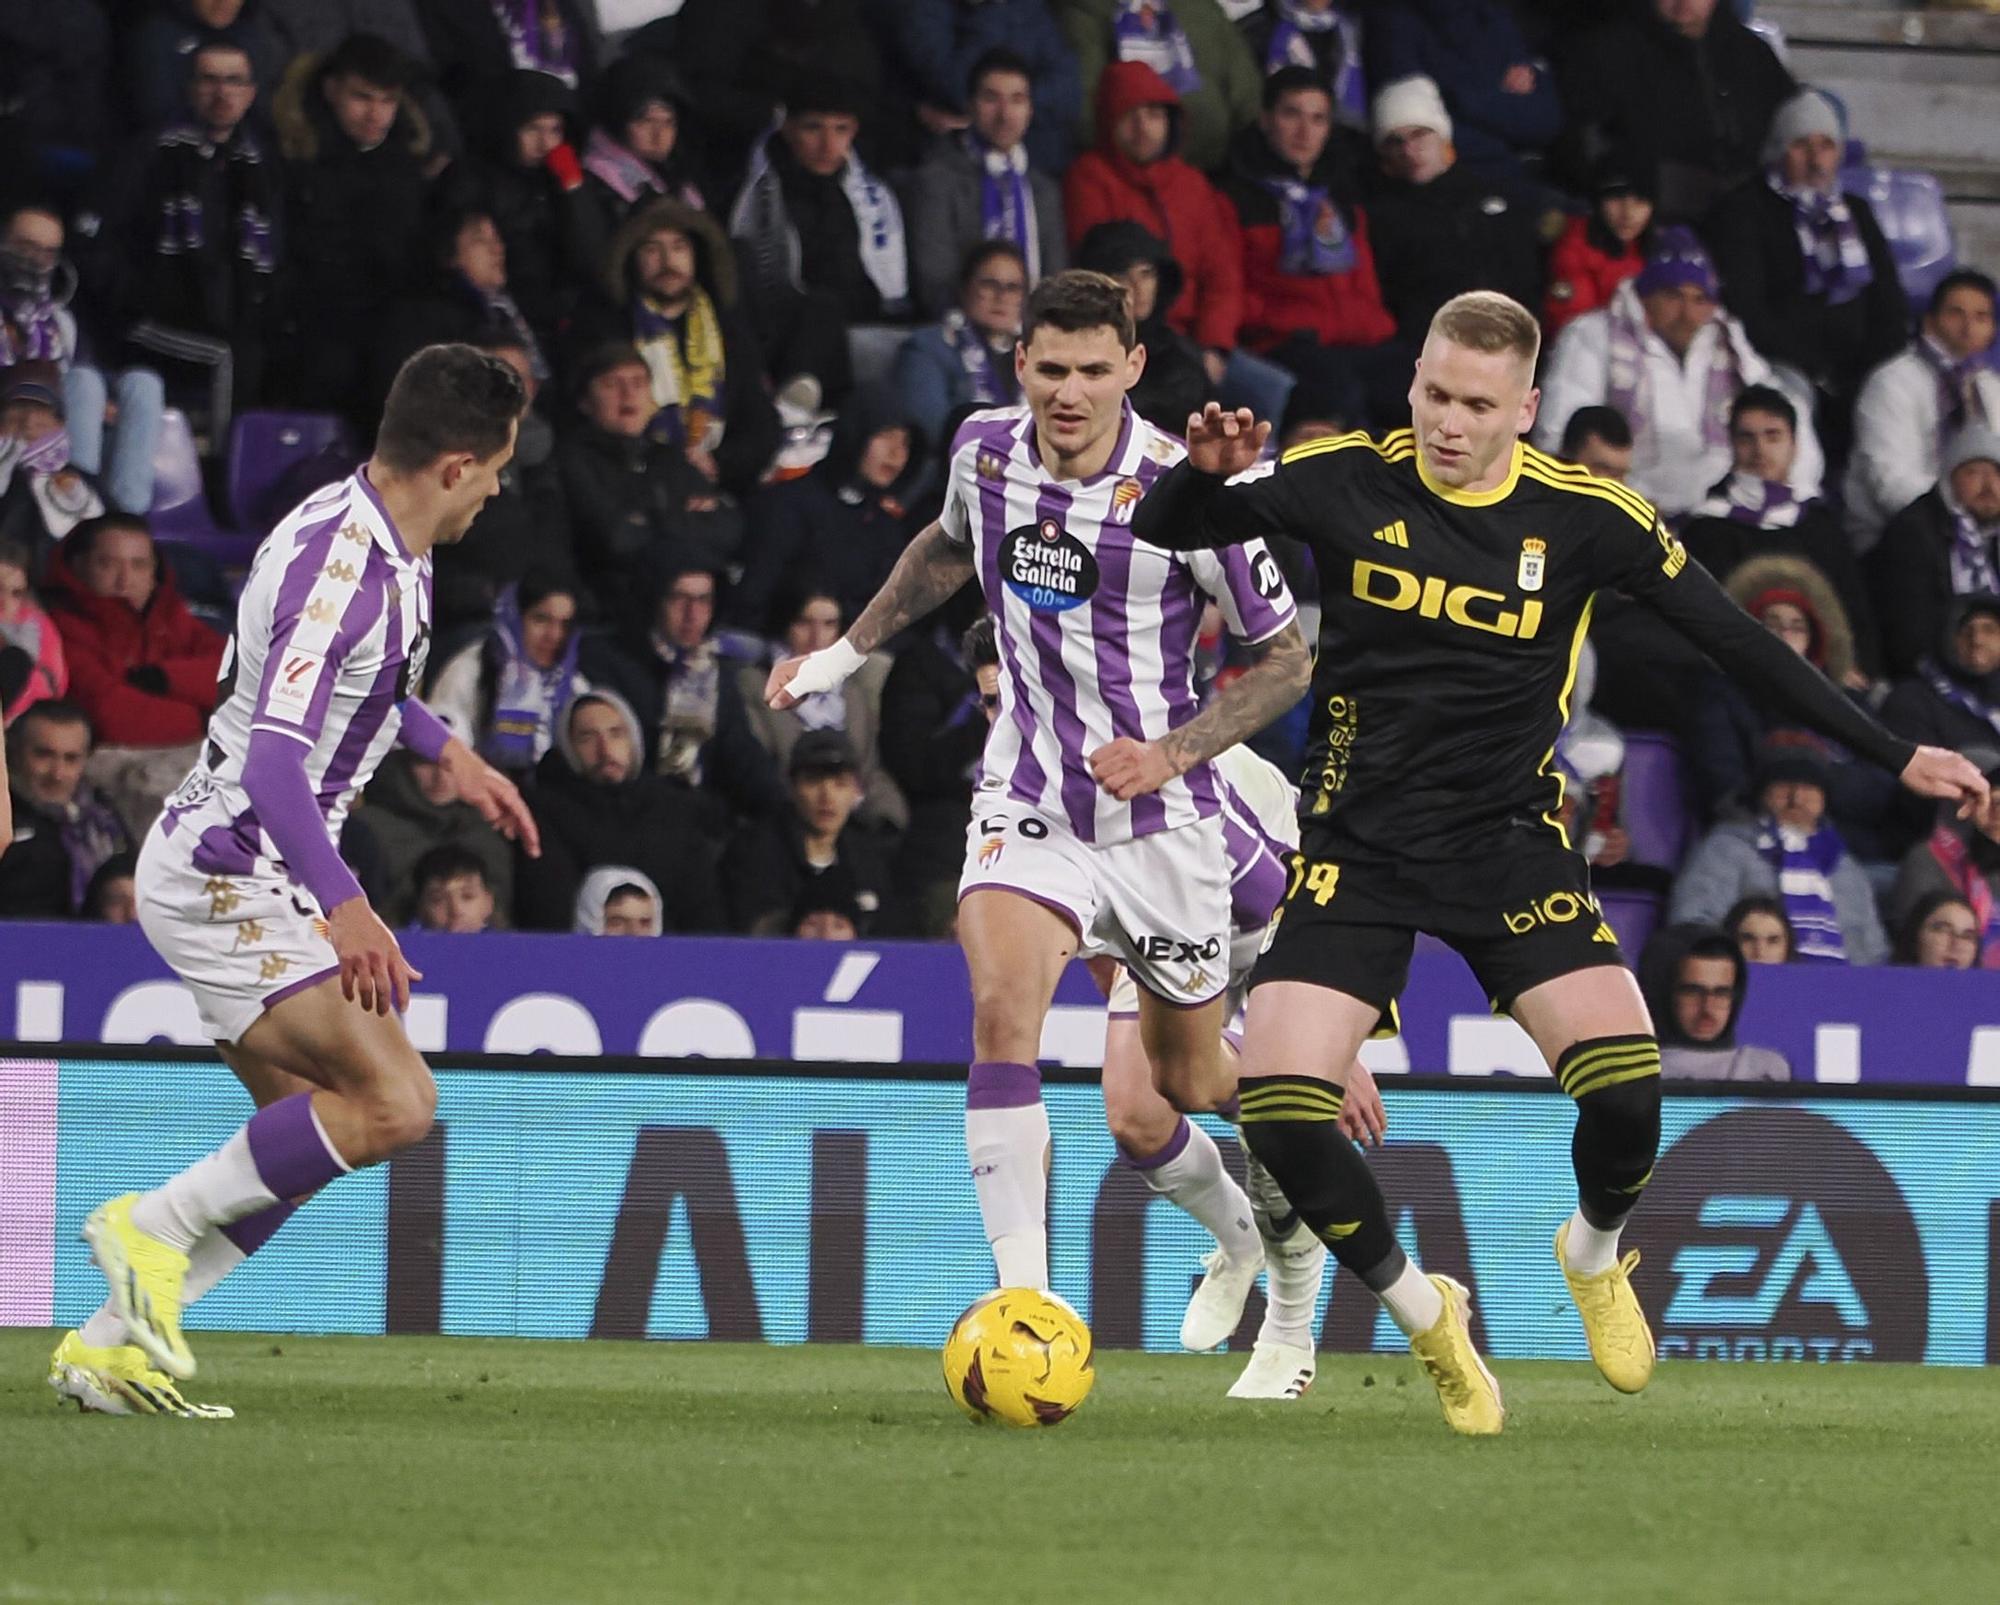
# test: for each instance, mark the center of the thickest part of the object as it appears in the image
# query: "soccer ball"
(1019, 1356)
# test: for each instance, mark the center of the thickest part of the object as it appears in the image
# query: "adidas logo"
(1396, 534)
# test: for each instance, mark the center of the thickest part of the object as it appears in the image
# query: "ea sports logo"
(1773, 1234)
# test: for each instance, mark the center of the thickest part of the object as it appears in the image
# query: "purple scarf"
(1626, 365)
(1745, 499)
(30, 332)
(1148, 31)
(537, 37)
(1805, 866)
(526, 697)
(1316, 240)
(1958, 694)
(1291, 45)
(992, 379)
(49, 455)
(246, 181)
(1836, 257)
(1006, 204)
(91, 833)
(629, 177)
(1972, 568)
(1959, 400)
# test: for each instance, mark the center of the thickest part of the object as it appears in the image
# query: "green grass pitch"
(374, 1469)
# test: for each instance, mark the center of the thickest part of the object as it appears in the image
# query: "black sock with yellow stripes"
(1292, 1124)
(1616, 1084)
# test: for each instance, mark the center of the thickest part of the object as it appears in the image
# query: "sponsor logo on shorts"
(292, 688)
(1176, 949)
(222, 897)
(248, 934)
(1047, 567)
(272, 966)
(1558, 908)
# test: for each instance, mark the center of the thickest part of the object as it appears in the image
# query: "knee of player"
(400, 1116)
(1140, 1129)
(1628, 1110)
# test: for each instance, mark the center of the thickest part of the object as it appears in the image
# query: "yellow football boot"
(145, 1276)
(1466, 1389)
(121, 1382)
(1620, 1340)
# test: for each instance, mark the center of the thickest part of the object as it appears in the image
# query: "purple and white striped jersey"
(1260, 832)
(331, 635)
(1097, 630)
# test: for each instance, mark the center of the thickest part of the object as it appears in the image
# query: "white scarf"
(760, 211)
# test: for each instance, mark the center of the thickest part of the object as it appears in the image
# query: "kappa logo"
(272, 966)
(355, 533)
(346, 573)
(990, 465)
(318, 611)
(1776, 1234)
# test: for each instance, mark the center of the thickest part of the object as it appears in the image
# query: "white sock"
(1412, 1300)
(1289, 1320)
(1196, 1182)
(211, 1259)
(221, 1187)
(1008, 1148)
(1588, 1249)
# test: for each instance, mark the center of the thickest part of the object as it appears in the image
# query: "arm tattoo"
(1266, 689)
(928, 573)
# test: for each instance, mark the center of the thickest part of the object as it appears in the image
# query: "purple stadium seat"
(1910, 207)
(180, 505)
(266, 450)
(1631, 916)
(1654, 799)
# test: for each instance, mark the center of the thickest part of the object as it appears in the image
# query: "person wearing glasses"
(967, 358)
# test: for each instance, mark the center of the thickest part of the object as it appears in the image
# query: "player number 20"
(1030, 827)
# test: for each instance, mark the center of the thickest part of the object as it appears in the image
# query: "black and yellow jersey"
(1451, 626)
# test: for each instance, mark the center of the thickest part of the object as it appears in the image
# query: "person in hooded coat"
(411, 808)
(536, 199)
(595, 803)
(1680, 972)
(158, 46)
(847, 521)
(641, 145)
(1733, 724)
(1176, 381)
(1165, 194)
(681, 309)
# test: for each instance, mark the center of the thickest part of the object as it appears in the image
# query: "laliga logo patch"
(1534, 560)
(293, 686)
(1047, 567)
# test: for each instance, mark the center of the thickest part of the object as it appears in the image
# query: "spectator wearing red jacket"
(1311, 300)
(1600, 251)
(141, 666)
(1134, 174)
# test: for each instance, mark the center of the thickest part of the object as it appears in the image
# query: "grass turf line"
(438, 1469)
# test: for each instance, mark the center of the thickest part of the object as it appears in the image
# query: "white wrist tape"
(826, 668)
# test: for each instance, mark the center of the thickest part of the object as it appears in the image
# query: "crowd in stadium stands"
(754, 259)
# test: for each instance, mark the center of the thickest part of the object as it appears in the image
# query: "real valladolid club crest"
(1124, 495)
(1534, 560)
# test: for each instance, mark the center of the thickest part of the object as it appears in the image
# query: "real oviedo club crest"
(1047, 567)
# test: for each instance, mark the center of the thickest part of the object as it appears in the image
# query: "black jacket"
(630, 524)
(525, 526)
(765, 870)
(471, 56)
(1698, 109)
(738, 777)
(933, 732)
(1462, 231)
(36, 875)
(646, 822)
(1909, 570)
(1175, 382)
(1721, 544)
(1763, 282)
(830, 524)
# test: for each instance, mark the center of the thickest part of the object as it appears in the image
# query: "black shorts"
(1520, 915)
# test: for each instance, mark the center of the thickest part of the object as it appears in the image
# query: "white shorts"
(240, 942)
(1159, 904)
(1244, 946)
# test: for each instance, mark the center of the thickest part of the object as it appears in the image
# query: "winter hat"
(1678, 258)
(1410, 103)
(1624, 172)
(1793, 755)
(34, 380)
(1975, 443)
(1805, 114)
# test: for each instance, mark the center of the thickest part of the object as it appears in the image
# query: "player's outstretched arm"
(930, 571)
(1128, 768)
(1191, 506)
(1703, 612)
(6, 802)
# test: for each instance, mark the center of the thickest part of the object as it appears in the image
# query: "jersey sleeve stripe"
(1317, 448)
(1577, 474)
(1642, 515)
